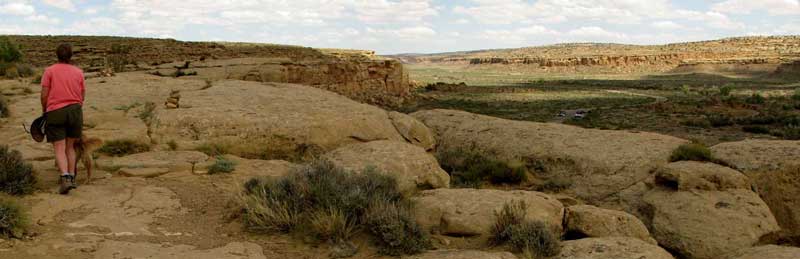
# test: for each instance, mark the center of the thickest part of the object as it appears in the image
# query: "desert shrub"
(25, 70)
(222, 165)
(4, 112)
(331, 205)
(755, 98)
(172, 145)
(119, 57)
(719, 120)
(214, 149)
(789, 133)
(147, 113)
(9, 52)
(555, 184)
(469, 168)
(698, 123)
(796, 95)
(16, 176)
(123, 147)
(37, 79)
(395, 230)
(532, 238)
(13, 220)
(725, 90)
(691, 152)
(756, 129)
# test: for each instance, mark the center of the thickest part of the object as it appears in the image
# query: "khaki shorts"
(64, 123)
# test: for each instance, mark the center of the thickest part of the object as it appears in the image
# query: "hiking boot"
(72, 182)
(65, 184)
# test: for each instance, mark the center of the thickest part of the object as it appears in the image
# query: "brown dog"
(84, 147)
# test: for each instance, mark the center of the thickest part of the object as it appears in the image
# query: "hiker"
(63, 92)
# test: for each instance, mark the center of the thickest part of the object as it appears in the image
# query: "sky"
(406, 26)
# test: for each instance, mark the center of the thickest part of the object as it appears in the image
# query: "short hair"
(64, 52)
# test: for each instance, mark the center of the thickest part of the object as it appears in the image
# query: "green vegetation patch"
(123, 147)
(533, 239)
(691, 152)
(470, 168)
(222, 165)
(16, 175)
(13, 220)
(330, 204)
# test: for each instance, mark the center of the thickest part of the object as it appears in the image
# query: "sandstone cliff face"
(359, 75)
(662, 58)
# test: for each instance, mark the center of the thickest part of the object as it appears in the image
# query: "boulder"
(599, 163)
(470, 212)
(170, 160)
(412, 167)
(413, 130)
(706, 224)
(767, 252)
(461, 254)
(591, 221)
(758, 155)
(611, 248)
(272, 120)
(774, 168)
(690, 175)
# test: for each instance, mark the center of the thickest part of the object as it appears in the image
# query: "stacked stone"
(173, 100)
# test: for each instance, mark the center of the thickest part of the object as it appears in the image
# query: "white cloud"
(555, 11)
(775, 7)
(20, 8)
(594, 33)
(383, 11)
(43, 19)
(524, 35)
(711, 19)
(406, 33)
(667, 25)
(61, 4)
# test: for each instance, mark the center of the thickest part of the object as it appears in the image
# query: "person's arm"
(83, 88)
(45, 90)
(43, 98)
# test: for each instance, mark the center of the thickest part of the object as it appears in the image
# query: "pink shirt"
(66, 85)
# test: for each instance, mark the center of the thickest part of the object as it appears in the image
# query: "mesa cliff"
(360, 75)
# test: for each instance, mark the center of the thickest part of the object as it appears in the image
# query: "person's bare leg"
(60, 148)
(71, 156)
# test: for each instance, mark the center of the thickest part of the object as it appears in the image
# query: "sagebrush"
(13, 220)
(469, 168)
(123, 147)
(692, 152)
(533, 239)
(16, 175)
(331, 205)
(222, 165)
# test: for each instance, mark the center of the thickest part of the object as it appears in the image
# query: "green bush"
(222, 165)
(4, 112)
(331, 205)
(717, 120)
(471, 168)
(13, 220)
(532, 238)
(9, 52)
(691, 152)
(756, 129)
(16, 176)
(123, 147)
(555, 184)
(25, 70)
(172, 145)
(725, 90)
(796, 95)
(755, 99)
(395, 230)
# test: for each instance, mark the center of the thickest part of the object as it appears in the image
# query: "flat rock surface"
(472, 211)
(462, 254)
(591, 221)
(752, 155)
(410, 165)
(767, 252)
(599, 163)
(611, 248)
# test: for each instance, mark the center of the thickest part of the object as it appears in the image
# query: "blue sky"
(403, 26)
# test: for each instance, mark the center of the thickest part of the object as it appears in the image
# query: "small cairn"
(173, 100)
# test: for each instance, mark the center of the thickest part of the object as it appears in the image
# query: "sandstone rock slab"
(690, 175)
(707, 224)
(413, 130)
(469, 212)
(767, 251)
(599, 163)
(611, 248)
(461, 254)
(751, 155)
(285, 119)
(591, 221)
(173, 160)
(412, 167)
